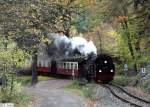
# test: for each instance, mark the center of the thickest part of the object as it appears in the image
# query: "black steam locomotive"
(99, 68)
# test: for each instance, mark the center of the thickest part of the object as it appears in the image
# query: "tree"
(28, 22)
(120, 9)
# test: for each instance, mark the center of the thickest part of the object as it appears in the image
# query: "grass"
(27, 79)
(122, 80)
(73, 85)
(16, 95)
(84, 91)
(147, 83)
(44, 78)
(24, 79)
(22, 99)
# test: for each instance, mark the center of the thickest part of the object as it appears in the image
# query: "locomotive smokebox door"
(104, 68)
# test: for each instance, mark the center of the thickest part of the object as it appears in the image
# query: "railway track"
(125, 96)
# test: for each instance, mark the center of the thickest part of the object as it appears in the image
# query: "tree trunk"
(4, 80)
(34, 68)
(130, 44)
(67, 22)
(12, 82)
(100, 41)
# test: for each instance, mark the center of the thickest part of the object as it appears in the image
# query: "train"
(99, 68)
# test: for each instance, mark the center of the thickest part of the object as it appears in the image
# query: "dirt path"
(52, 94)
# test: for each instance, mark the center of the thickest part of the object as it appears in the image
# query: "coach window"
(57, 64)
(43, 64)
(75, 66)
(49, 64)
(39, 64)
(60, 65)
(64, 65)
(71, 67)
(67, 65)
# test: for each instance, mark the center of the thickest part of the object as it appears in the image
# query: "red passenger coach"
(58, 67)
(43, 66)
(67, 68)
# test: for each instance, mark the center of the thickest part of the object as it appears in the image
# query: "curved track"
(131, 95)
(138, 103)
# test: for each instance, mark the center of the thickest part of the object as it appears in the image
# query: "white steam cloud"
(63, 45)
(83, 46)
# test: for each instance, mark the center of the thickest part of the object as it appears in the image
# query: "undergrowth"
(14, 94)
(27, 79)
(122, 80)
(84, 90)
(12, 90)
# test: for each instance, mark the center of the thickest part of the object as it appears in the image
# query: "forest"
(119, 28)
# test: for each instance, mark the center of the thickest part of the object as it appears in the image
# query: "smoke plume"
(64, 46)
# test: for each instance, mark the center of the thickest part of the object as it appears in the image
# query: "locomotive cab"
(104, 69)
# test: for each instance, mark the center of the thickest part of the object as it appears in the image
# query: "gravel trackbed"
(52, 94)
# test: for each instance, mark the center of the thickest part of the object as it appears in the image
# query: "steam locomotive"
(99, 68)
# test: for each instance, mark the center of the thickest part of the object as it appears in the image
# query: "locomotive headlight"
(100, 70)
(111, 70)
(105, 62)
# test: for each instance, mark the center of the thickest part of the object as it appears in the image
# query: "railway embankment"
(136, 82)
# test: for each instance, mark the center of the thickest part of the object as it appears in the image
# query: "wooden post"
(73, 74)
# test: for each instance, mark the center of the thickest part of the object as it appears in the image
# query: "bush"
(122, 80)
(119, 68)
(147, 86)
(147, 83)
(13, 93)
(27, 79)
(73, 85)
(24, 79)
(84, 90)
(43, 78)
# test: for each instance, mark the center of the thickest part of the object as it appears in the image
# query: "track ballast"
(126, 96)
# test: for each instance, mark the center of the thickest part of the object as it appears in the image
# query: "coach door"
(70, 68)
(74, 68)
(53, 67)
